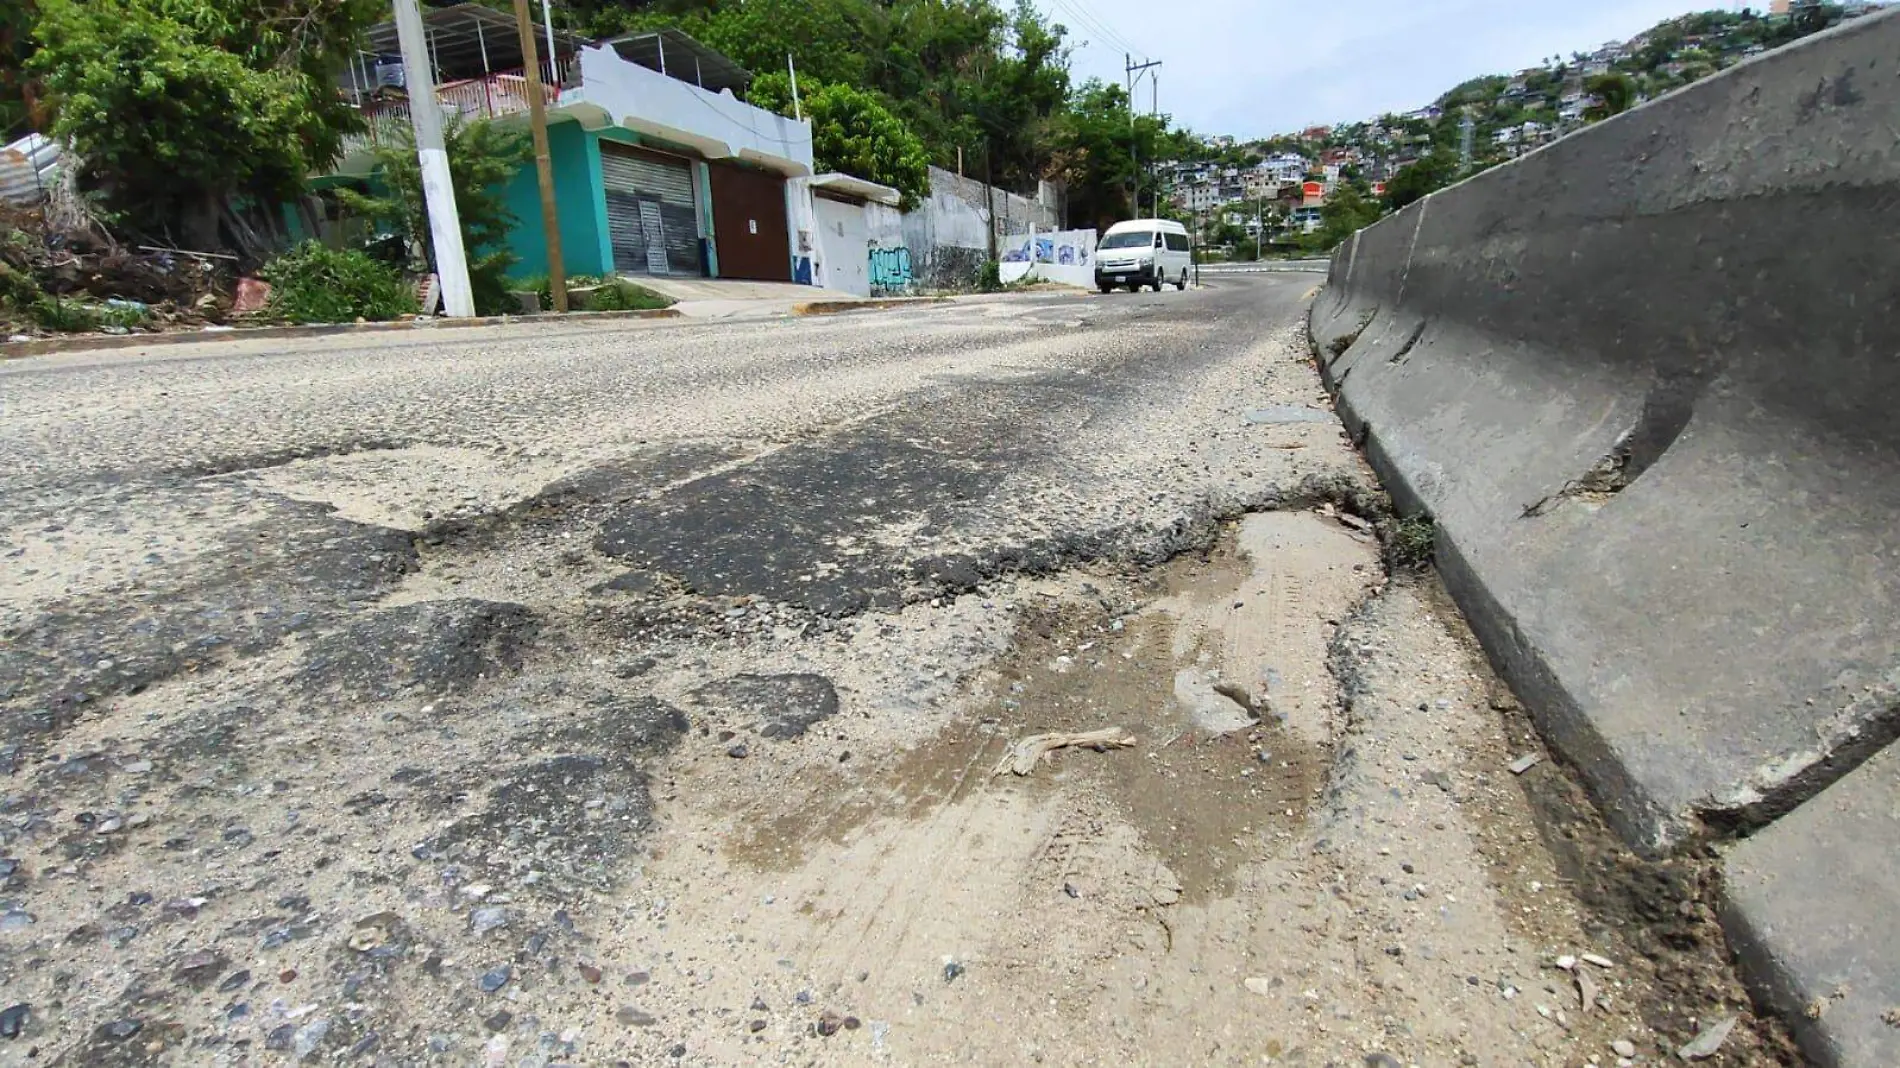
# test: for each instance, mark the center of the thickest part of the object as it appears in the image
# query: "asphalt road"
(477, 695)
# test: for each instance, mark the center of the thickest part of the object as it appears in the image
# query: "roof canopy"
(468, 40)
(680, 55)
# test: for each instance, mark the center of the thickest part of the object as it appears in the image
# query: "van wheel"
(1181, 286)
(1105, 287)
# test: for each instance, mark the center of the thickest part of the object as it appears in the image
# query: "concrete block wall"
(1644, 380)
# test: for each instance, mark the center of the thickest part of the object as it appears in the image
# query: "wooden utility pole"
(438, 186)
(543, 165)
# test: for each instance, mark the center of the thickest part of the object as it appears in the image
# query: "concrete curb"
(1660, 457)
(14, 350)
(838, 307)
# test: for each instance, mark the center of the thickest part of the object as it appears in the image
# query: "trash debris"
(252, 296)
(1567, 962)
(1601, 962)
(1526, 762)
(1708, 1041)
(1024, 754)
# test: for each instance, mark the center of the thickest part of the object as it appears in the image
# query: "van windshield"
(1129, 239)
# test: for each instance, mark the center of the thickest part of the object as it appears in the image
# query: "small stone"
(495, 978)
(828, 1025)
(590, 973)
(1382, 1060)
(738, 752)
(1566, 962)
(13, 1020)
(677, 1051)
(951, 969)
(637, 978)
(1708, 1040)
(288, 975)
(1601, 962)
(16, 920)
(633, 1017)
(1469, 1060)
(758, 1005)
(234, 980)
(1623, 1047)
(120, 1030)
(279, 1038)
(499, 1021)
(200, 967)
(1525, 763)
(755, 1026)
(852, 1023)
(803, 997)
(484, 920)
(1259, 984)
(308, 1038)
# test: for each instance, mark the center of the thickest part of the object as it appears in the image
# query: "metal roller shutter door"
(652, 212)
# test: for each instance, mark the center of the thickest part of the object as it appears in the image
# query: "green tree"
(483, 156)
(178, 105)
(1348, 210)
(1433, 171)
(852, 131)
(1615, 92)
(1100, 151)
(18, 90)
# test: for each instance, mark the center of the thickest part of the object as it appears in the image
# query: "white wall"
(860, 249)
(717, 124)
(1065, 256)
(840, 260)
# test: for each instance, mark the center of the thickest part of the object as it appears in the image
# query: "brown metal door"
(749, 224)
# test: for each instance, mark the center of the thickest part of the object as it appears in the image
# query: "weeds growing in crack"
(1408, 544)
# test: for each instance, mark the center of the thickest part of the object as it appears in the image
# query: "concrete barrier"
(1645, 380)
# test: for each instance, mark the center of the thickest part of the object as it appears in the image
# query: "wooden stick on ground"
(1023, 754)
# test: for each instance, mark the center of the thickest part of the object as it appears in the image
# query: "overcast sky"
(1259, 67)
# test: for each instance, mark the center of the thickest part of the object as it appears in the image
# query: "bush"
(314, 284)
(989, 277)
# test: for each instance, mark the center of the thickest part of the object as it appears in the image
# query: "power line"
(1096, 25)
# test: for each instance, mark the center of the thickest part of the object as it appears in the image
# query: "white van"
(1139, 252)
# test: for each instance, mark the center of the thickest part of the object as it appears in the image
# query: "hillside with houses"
(1306, 190)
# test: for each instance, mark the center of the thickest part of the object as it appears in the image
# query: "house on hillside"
(659, 167)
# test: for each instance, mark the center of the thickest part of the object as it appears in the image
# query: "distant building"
(1316, 133)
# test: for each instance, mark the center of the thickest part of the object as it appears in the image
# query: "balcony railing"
(491, 96)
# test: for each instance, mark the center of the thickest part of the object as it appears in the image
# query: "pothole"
(1205, 788)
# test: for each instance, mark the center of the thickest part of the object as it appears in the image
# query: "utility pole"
(1465, 129)
(1134, 71)
(791, 69)
(989, 197)
(543, 165)
(438, 188)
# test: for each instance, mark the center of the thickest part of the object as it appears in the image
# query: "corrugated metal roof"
(28, 167)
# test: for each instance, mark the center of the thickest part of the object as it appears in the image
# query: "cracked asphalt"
(625, 693)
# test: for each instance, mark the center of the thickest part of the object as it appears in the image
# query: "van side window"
(1178, 242)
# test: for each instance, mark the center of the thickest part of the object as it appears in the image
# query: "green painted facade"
(580, 199)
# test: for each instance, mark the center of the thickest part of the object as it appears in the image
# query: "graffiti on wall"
(1067, 248)
(890, 269)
